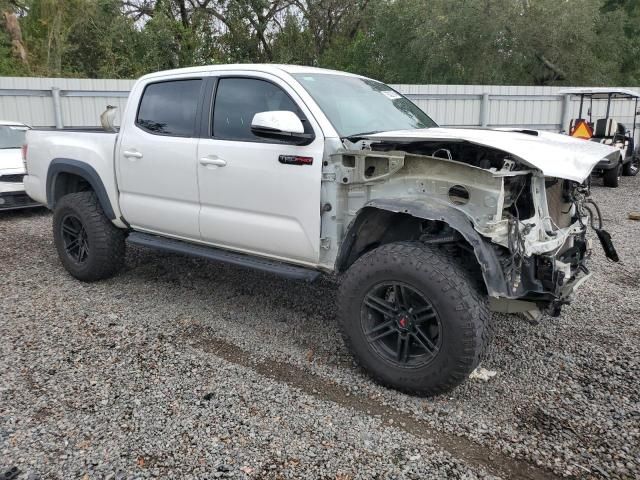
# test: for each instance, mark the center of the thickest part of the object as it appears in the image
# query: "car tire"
(89, 245)
(632, 167)
(412, 318)
(611, 177)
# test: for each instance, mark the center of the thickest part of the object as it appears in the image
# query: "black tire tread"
(454, 278)
(611, 178)
(108, 241)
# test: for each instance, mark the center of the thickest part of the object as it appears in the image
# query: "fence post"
(565, 114)
(57, 108)
(484, 110)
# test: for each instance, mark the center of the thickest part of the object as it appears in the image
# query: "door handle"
(131, 154)
(214, 161)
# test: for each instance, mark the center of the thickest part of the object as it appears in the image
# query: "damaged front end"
(528, 231)
(541, 237)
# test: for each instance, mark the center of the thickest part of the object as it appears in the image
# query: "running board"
(212, 253)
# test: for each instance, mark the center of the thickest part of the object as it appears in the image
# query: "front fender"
(432, 209)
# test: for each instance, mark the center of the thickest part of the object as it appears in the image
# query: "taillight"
(24, 156)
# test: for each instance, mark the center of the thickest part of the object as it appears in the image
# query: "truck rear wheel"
(611, 177)
(90, 247)
(412, 318)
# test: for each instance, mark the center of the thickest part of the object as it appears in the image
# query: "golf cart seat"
(607, 130)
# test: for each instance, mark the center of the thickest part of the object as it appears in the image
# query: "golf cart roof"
(601, 92)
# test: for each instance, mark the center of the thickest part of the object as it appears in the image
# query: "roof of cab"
(601, 92)
(261, 67)
(12, 123)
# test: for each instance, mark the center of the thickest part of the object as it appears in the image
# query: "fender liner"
(81, 169)
(431, 209)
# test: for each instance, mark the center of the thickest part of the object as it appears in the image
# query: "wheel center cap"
(404, 322)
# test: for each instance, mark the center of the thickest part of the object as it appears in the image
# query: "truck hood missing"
(555, 155)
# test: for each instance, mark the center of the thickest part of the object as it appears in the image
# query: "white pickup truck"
(301, 171)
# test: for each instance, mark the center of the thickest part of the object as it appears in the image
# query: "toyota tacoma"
(301, 171)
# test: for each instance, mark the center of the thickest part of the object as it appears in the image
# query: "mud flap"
(607, 244)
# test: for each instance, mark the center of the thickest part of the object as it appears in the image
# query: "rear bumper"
(12, 192)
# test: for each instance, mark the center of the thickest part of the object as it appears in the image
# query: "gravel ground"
(184, 368)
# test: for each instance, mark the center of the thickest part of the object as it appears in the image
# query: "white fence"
(60, 102)
(539, 108)
(69, 102)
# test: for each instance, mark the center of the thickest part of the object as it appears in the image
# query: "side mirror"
(278, 124)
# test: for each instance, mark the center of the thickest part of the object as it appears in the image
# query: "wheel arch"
(67, 175)
(383, 221)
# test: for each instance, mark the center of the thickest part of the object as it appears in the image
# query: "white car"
(12, 171)
(301, 171)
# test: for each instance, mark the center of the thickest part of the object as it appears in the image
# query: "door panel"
(159, 191)
(157, 161)
(253, 202)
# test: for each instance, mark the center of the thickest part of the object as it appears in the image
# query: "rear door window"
(170, 108)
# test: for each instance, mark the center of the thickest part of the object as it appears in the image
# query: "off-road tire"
(106, 242)
(462, 311)
(611, 177)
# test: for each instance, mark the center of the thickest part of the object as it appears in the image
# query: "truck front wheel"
(90, 247)
(412, 318)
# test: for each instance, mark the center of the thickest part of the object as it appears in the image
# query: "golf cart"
(608, 131)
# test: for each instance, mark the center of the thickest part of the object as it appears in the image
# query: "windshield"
(356, 105)
(12, 136)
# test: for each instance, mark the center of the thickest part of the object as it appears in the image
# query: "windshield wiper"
(358, 136)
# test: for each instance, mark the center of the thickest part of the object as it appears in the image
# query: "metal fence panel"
(540, 108)
(31, 100)
(81, 101)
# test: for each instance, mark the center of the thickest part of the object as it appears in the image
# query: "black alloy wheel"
(75, 239)
(401, 325)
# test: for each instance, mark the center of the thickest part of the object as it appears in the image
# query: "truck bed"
(88, 149)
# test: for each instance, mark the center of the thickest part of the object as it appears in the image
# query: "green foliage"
(9, 66)
(621, 27)
(294, 43)
(542, 42)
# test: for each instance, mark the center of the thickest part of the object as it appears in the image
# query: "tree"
(620, 33)
(14, 57)
(539, 42)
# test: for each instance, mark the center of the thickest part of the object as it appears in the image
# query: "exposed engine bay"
(536, 226)
(474, 155)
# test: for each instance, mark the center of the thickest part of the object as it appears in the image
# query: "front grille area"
(16, 178)
(16, 200)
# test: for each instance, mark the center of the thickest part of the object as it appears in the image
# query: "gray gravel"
(184, 368)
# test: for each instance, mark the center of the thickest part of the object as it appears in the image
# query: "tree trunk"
(12, 27)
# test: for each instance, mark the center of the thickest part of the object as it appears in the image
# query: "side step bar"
(211, 253)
